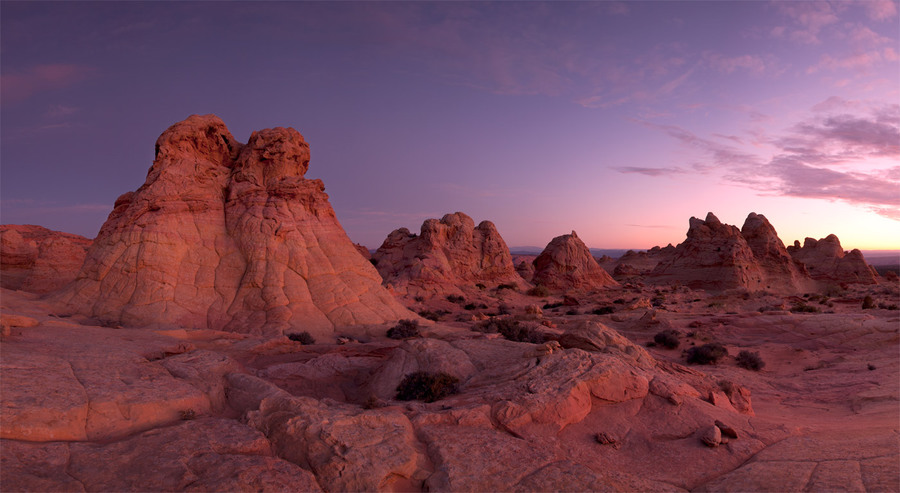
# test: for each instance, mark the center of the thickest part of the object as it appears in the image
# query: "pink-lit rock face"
(228, 236)
(780, 271)
(38, 260)
(566, 263)
(449, 254)
(827, 261)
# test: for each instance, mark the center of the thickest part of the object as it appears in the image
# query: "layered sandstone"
(228, 236)
(827, 261)
(448, 254)
(39, 260)
(566, 263)
(780, 270)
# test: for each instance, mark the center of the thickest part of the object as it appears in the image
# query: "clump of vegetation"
(433, 316)
(750, 361)
(804, 308)
(302, 337)
(419, 299)
(667, 338)
(511, 286)
(868, 303)
(540, 291)
(481, 286)
(572, 312)
(619, 301)
(604, 310)
(187, 414)
(404, 329)
(512, 330)
(455, 298)
(427, 386)
(885, 306)
(706, 354)
(548, 306)
(658, 301)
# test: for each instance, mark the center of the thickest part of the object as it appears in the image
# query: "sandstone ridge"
(228, 236)
(39, 260)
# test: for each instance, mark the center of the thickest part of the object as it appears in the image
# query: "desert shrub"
(548, 306)
(427, 386)
(804, 308)
(433, 316)
(750, 361)
(572, 312)
(658, 301)
(470, 306)
(667, 338)
(302, 337)
(619, 301)
(504, 309)
(187, 414)
(511, 329)
(886, 306)
(540, 291)
(603, 310)
(455, 298)
(404, 329)
(480, 286)
(706, 354)
(868, 303)
(510, 286)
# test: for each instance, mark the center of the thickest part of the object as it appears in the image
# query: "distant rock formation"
(449, 254)
(780, 270)
(634, 263)
(229, 237)
(566, 263)
(826, 261)
(39, 260)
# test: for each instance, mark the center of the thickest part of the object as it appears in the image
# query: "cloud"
(56, 111)
(22, 84)
(649, 171)
(845, 136)
(753, 64)
(880, 10)
(808, 18)
(859, 62)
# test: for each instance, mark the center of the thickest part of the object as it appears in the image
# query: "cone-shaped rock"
(39, 260)
(230, 237)
(566, 263)
(826, 261)
(449, 254)
(782, 273)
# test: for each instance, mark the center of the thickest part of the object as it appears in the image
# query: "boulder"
(448, 255)
(567, 264)
(39, 260)
(228, 236)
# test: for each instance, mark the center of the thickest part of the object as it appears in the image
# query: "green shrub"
(706, 354)
(427, 386)
(302, 337)
(540, 291)
(404, 329)
(667, 338)
(750, 361)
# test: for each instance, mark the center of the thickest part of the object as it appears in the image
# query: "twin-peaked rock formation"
(449, 254)
(228, 236)
(566, 263)
(826, 261)
(38, 260)
(717, 256)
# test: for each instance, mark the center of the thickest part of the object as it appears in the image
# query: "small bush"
(604, 310)
(481, 286)
(455, 298)
(302, 337)
(804, 308)
(427, 386)
(433, 316)
(470, 306)
(548, 306)
(511, 286)
(750, 361)
(667, 338)
(868, 303)
(187, 414)
(404, 329)
(419, 299)
(572, 312)
(619, 301)
(706, 354)
(512, 330)
(540, 291)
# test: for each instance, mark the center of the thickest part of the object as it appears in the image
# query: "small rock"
(604, 438)
(534, 310)
(711, 436)
(726, 430)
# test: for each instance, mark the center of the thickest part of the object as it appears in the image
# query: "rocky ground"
(89, 408)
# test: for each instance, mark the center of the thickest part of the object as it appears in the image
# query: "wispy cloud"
(650, 171)
(19, 85)
(60, 111)
(807, 20)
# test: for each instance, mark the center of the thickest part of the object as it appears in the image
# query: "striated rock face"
(39, 260)
(566, 263)
(229, 237)
(826, 261)
(781, 271)
(448, 254)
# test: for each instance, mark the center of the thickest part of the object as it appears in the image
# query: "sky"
(618, 120)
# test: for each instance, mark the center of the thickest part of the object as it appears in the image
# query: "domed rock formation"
(229, 237)
(39, 260)
(714, 256)
(566, 263)
(826, 261)
(449, 254)
(781, 271)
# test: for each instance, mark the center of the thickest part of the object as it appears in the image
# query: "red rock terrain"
(227, 236)
(827, 261)
(567, 264)
(38, 260)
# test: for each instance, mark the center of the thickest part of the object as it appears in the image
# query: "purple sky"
(617, 120)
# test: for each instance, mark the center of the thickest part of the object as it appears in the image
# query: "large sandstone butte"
(566, 263)
(717, 256)
(450, 253)
(228, 236)
(39, 260)
(827, 261)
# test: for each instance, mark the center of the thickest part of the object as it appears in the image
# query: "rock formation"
(230, 237)
(637, 263)
(39, 260)
(826, 261)
(780, 270)
(566, 263)
(449, 254)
